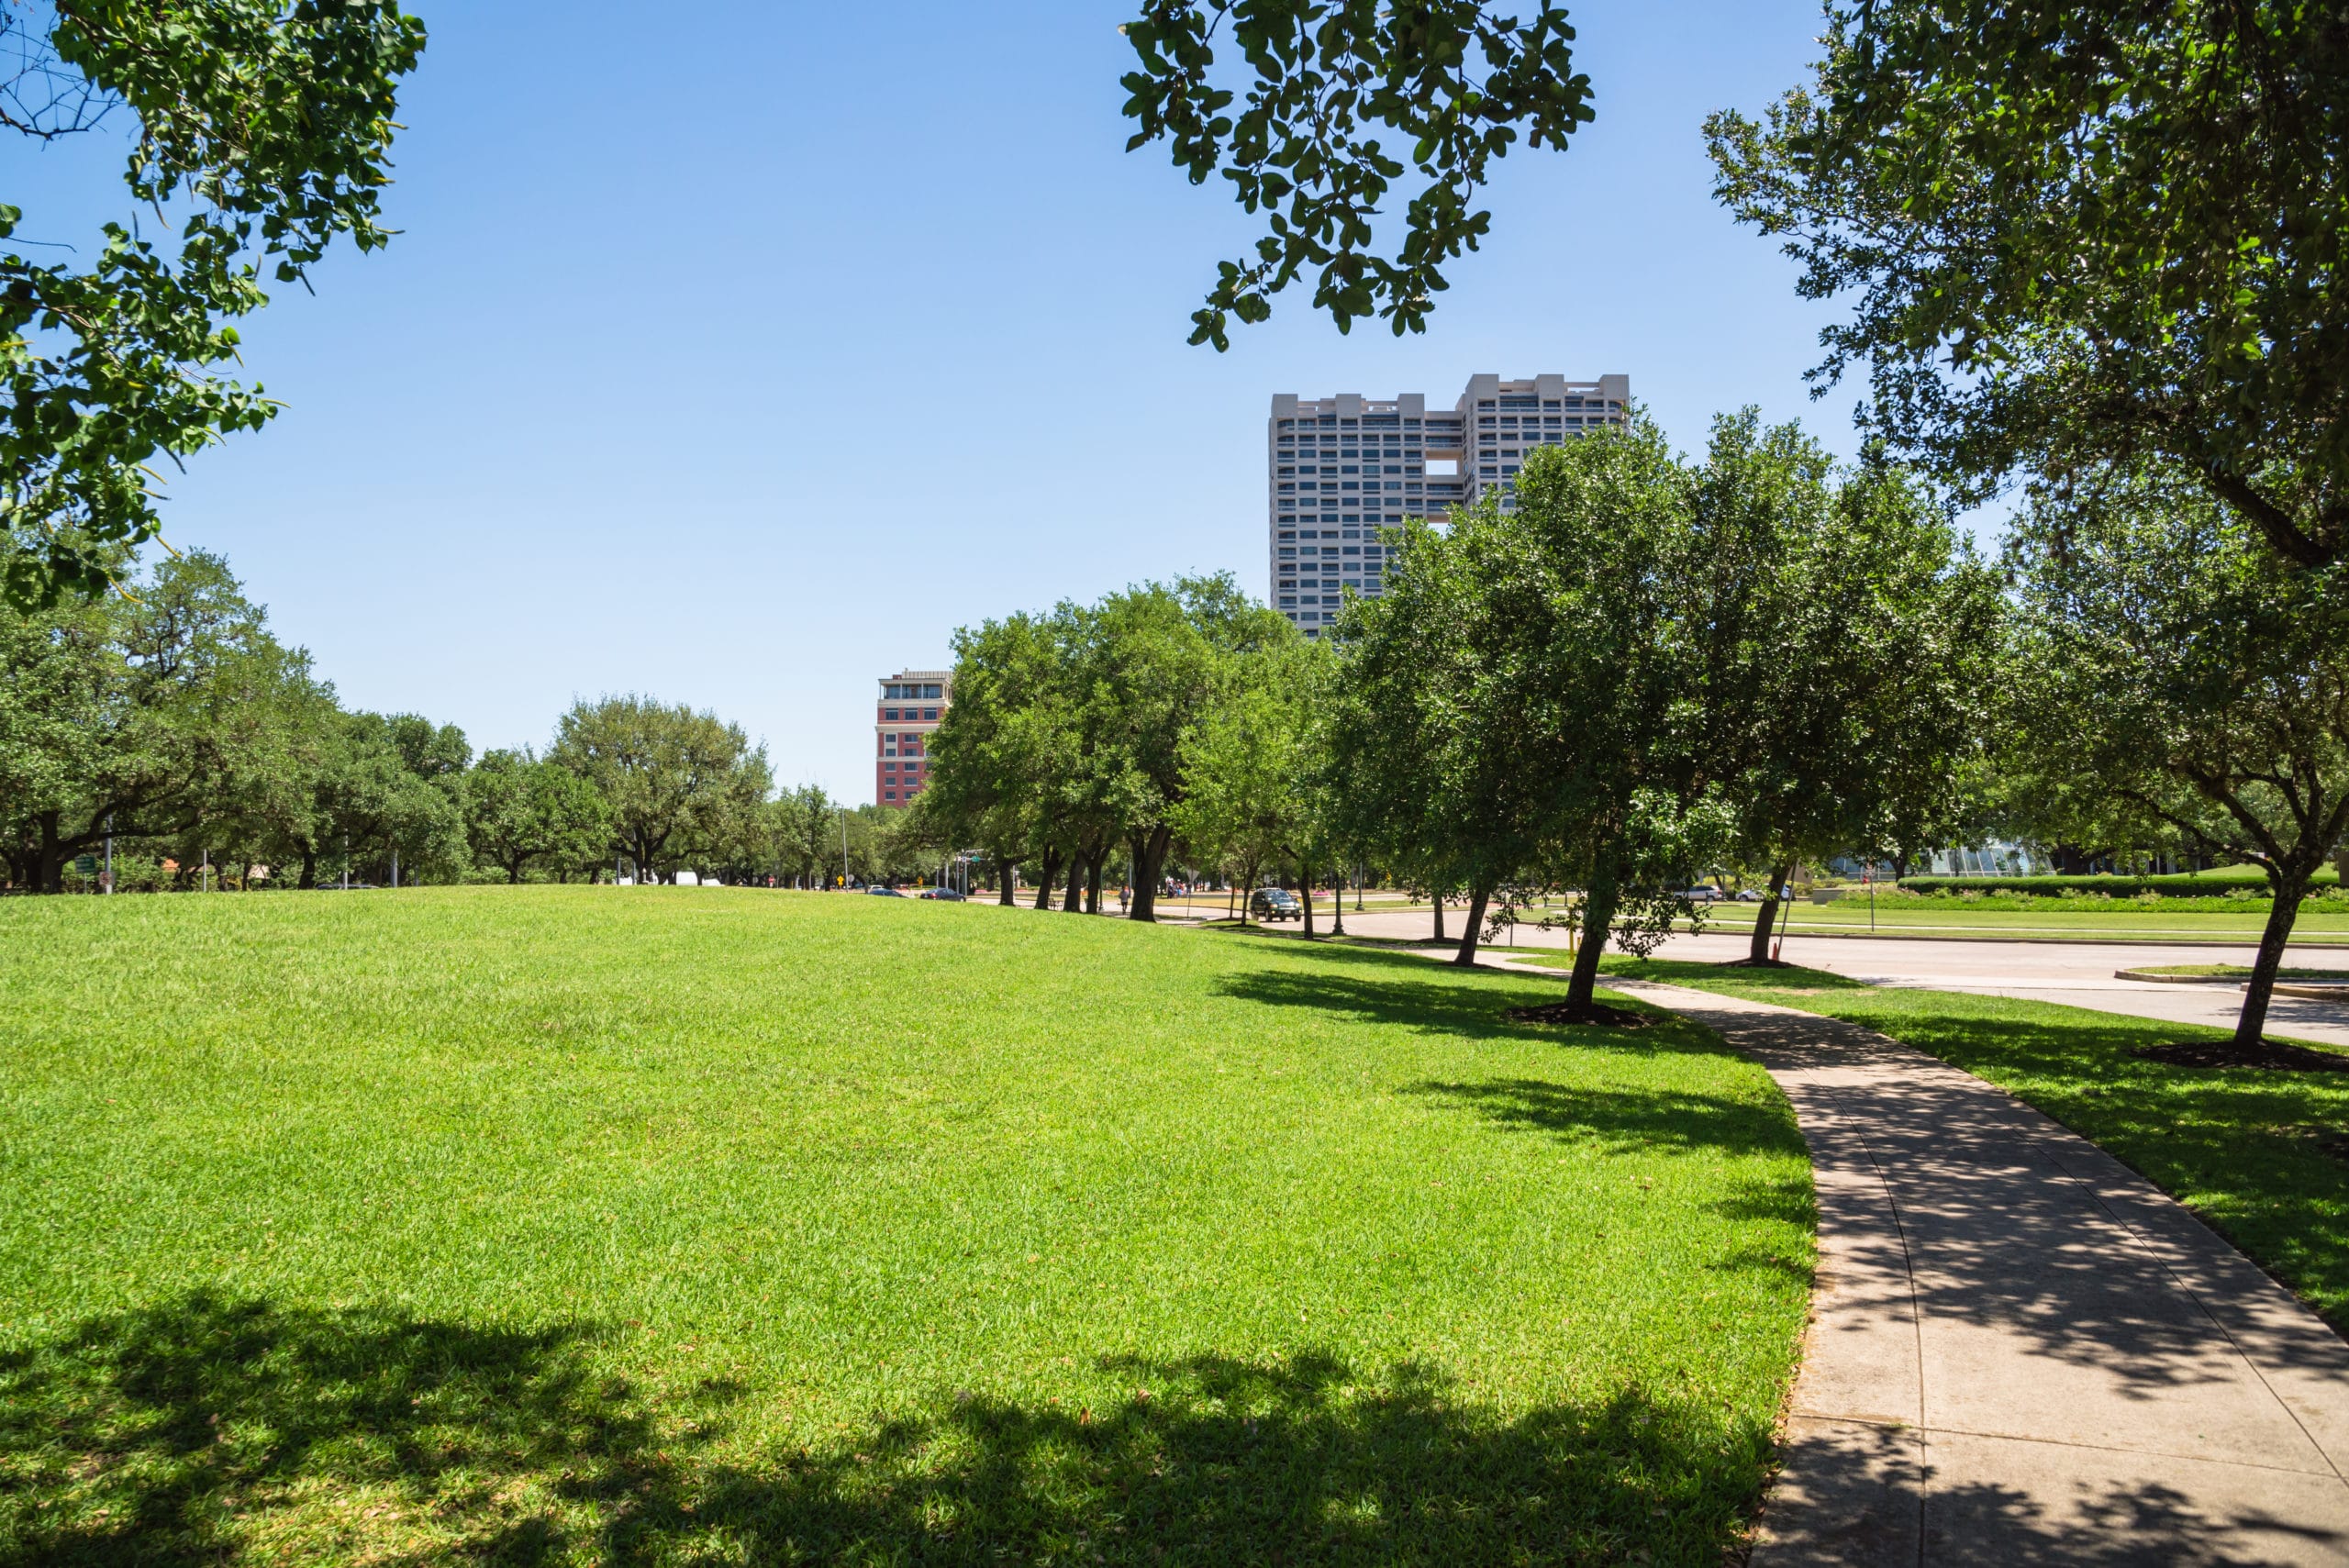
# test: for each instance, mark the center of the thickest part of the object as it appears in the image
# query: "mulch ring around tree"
(1598, 1013)
(2277, 1056)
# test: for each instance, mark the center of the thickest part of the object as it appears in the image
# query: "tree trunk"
(1597, 913)
(49, 857)
(1074, 903)
(514, 873)
(1099, 859)
(1437, 897)
(1005, 875)
(309, 877)
(2251, 1024)
(1046, 876)
(1767, 915)
(1472, 927)
(1305, 886)
(1149, 863)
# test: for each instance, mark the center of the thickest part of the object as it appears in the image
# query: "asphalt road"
(2078, 974)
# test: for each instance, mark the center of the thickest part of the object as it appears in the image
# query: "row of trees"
(169, 720)
(1650, 668)
(1644, 668)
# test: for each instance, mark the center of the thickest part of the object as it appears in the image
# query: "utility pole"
(346, 862)
(204, 878)
(395, 867)
(843, 849)
(107, 883)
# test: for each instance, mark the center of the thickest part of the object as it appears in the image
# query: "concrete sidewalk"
(2020, 1351)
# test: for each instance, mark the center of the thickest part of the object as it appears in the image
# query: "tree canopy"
(2076, 231)
(1065, 742)
(264, 133)
(2170, 669)
(1450, 81)
(677, 782)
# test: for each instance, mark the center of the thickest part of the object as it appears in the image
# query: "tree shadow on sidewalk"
(212, 1432)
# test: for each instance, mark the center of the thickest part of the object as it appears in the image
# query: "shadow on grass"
(1621, 1119)
(1688, 972)
(210, 1431)
(1467, 1004)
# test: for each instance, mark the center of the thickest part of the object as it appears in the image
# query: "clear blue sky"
(737, 355)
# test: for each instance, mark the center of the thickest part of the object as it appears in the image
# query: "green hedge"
(2223, 880)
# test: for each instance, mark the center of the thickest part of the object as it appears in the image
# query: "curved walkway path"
(2020, 1351)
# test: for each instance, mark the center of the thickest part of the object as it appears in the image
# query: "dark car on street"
(881, 892)
(1274, 904)
(946, 892)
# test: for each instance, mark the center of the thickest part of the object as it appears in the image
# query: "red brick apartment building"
(911, 701)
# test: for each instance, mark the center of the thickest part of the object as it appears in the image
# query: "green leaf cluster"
(2080, 231)
(1449, 80)
(266, 128)
(2171, 675)
(1067, 741)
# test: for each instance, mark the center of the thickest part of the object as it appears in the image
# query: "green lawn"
(2262, 1156)
(697, 1225)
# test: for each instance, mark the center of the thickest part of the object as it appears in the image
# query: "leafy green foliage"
(154, 713)
(1850, 643)
(2081, 230)
(680, 786)
(268, 127)
(522, 812)
(1449, 79)
(1065, 738)
(670, 1225)
(1250, 764)
(2169, 664)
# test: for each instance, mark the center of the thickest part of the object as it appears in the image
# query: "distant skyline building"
(1339, 469)
(910, 705)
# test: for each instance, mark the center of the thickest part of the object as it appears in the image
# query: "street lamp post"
(108, 881)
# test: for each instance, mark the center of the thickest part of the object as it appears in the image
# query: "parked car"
(1749, 896)
(1274, 904)
(948, 894)
(878, 891)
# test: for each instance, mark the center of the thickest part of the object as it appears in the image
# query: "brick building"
(903, 718)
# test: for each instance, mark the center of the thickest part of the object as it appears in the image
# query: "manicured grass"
(698, 1225)
(2263, 1156)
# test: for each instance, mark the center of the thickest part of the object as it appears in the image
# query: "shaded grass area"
(696, 1225)
(2263, 1156)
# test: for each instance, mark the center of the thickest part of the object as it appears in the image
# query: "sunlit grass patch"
(590, 1225)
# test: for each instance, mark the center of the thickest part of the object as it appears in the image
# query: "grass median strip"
(2263, 1156)
(695, 1224)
